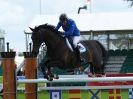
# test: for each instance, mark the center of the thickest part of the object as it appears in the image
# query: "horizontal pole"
(69, 80)
(82, 87)
(60, 76)
(73, 76)
(87, 87)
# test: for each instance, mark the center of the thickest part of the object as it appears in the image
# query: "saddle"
(78, 50)
(80, 47)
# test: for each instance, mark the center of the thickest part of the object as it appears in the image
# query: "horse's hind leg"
(99, 71)
(102, 69)
(91, 69)
(96, 71)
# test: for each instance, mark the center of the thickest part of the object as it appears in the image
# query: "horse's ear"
(31, 29)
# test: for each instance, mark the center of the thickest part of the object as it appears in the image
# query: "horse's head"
(36, 39)
(45, 33)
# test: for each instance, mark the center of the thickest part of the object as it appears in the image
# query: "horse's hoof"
(90, 75)
(104, 75)
(98, 75)
(56, 76)
(50, 78)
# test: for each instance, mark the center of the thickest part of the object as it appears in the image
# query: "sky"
(16, 15)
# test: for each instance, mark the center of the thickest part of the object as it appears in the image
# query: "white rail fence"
(80, 79)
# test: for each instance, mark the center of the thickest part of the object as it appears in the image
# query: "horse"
(60, 55)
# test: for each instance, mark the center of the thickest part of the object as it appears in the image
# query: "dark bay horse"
(61, 56)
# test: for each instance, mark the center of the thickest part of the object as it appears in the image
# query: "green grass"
(1, 79)
(23, 85)
(41, 95)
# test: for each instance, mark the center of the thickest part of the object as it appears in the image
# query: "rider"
(71, 31)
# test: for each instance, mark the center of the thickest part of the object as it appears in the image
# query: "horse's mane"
(49, 27)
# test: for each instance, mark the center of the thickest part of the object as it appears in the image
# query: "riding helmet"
(63, 17)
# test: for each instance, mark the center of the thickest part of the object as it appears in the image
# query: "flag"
(55, 94)
(95, 94)
(131, 93)
(87, 1)
(88, 4)
(114, 94)
(74, 94)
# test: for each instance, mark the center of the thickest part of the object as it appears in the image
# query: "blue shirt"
(70, 29)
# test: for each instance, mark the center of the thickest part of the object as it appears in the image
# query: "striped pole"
(30, 73)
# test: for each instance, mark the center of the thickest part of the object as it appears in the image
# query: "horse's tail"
(104, 51)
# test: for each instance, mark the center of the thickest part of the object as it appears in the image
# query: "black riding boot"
(77, 52)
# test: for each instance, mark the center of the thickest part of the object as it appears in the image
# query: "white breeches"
(76, 40)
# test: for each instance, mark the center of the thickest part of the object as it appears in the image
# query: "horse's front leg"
(44, 69)
(50, 70)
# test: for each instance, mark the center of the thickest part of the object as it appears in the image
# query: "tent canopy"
(91, 22)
